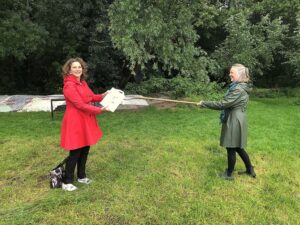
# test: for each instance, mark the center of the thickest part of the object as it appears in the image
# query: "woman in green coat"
(233, 118)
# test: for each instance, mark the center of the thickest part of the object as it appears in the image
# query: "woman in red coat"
(79, 127)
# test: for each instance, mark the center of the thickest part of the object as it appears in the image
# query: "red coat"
(79, 125)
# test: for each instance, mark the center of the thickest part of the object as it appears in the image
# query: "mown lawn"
(155, 167)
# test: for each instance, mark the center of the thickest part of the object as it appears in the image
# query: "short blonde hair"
(242, 71)
(67, 67)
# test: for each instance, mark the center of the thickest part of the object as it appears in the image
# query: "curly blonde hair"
(243, 72)
(67, 67)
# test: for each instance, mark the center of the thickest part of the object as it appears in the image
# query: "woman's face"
(233, 74)
(76, 70)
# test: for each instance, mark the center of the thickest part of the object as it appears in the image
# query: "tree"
(49, 32)
(251, 44)
(159, 35)
(20, 37)
(107, 67)
(293, 54)
(185, 42)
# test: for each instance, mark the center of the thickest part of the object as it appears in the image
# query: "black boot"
(250, 172)
(227, 175)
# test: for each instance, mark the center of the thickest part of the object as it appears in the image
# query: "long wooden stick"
(165, 100)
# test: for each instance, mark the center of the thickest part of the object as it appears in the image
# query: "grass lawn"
(155, 167)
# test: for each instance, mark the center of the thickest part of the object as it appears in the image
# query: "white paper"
(113, 99)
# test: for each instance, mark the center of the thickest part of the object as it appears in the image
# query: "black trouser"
(231, 156)
(79, 157)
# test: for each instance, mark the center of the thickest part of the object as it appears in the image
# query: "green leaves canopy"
(158, 34)
(191, 42)
(251, 44)
(19, 37)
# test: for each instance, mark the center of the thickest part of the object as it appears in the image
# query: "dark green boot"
(250, 172)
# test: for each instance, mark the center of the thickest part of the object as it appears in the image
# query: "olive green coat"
(234, 130)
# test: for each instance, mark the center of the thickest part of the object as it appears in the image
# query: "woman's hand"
(200, 103)
(105, 109)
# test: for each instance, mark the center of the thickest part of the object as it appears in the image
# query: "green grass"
(155, 167)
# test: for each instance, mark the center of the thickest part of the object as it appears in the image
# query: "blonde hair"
(67, 67)
(242, 71)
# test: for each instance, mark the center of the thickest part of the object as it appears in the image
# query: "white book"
(113, 99)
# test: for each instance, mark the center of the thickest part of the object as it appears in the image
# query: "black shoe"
(250, 172)
(227, 175)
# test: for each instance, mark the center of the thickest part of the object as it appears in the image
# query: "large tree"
(293, 54)
(160, 36)
(20, 37)
(251, 44)
(191, 41)
(39, 35)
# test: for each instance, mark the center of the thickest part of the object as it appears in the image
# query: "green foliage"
(276, 93)
(43, 34)
(175, 87)
(159, 36)
(153, 85)
(19, 36)
(197, 40)
(280, 74)
(253, 45)
(293, 53)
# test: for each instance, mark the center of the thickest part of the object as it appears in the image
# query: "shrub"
(276, 92)
(176, 87)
